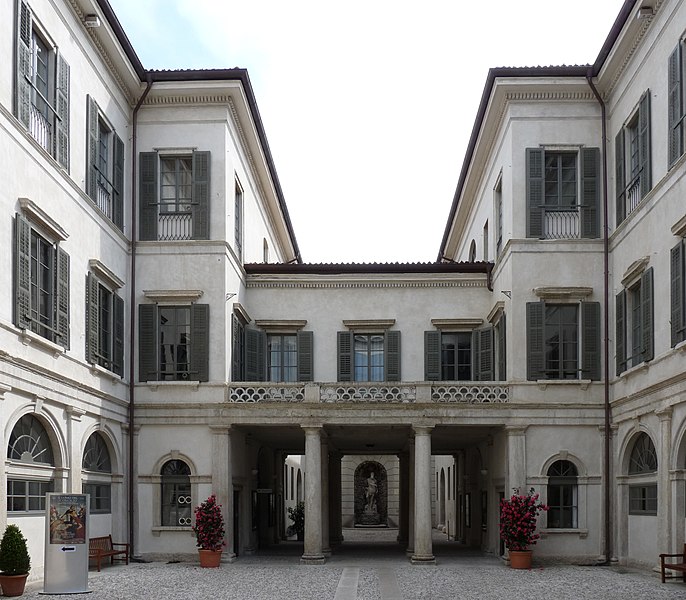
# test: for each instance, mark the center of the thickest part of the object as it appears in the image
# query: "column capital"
(664, 414)
(312, 428)
(423, 429)
(512, 430)
(221, 429)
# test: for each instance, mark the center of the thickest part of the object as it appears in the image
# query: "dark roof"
(551, 71)
(365, 268)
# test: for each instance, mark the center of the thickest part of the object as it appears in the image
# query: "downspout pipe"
(606, 323)
(132, 311)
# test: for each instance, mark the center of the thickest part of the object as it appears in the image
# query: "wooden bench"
(673, 566)
(102, 547)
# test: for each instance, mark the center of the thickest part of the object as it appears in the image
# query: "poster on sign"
(68, 519)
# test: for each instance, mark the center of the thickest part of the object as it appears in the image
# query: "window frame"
(176, 484)
(104, 305)
(569, 512)
(282, 352)
(634, 331)
(642, 470)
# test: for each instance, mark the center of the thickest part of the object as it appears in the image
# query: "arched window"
(97, 468)
(643, 471)
(563, 495)
(176, 494)
(28, 444)
(472, 251)
(299, 486)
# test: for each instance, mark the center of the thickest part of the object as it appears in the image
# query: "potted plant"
(518, 517)
(15, 562)
(297, 515)
(209, 532)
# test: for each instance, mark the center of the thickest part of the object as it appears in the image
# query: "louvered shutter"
(255, 341)
(22, 276)
(92, 148)
(237, 333)
(200, 342)
(675, 106)
(535, 192)
(620, 331)
(147, 343)
(61, 150)
(23, 90)
(677, 293)
(92, 319)
(345, 356)
(502, 348)
(118, 339)
(644, 143)
(483, 366)
(201, 195)
(305, 340)
(147, 195)
(392, 355)
(535, 363)
(647, 319)
(620, 182)
(432, 355)
(118, 183)
(62, 300)
(590, 340)
(590, 192)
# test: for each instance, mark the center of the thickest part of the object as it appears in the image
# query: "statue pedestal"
(369, 520)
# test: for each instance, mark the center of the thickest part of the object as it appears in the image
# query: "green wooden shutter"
(118, 339)
(345, 356)
(147, 195)
(502, 348)
(305, 340)
(620, 331)
(535, 363)
(118, 183)
(61, 139)
(647, 318)
(620, 181)
(432, 355)
(147, 343)
(93, 132)
(200, 342)
(23, 90)
(675, 107)
(535, 194)
(483, 366)
(255, 342)
(678, 330)
(22, 275)
(92, 319)
(201, 195)
(392, 355)
(62, 300)
(590, 340)
(590, 192)
(644, 143)
(237, 336)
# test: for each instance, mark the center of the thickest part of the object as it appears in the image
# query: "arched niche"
(371, 495)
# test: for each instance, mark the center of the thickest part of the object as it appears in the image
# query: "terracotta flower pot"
(210, 558)
(13, 585)
(520, 559)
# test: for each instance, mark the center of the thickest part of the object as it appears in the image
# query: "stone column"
(410, 498)
(403, 496)
(326, 547)
(313, 497)
(423, 550)
(3, 444)
(516, 460)
(664, 490)
(460, 510)
(335, 503)
(279, 461)
(222, 483)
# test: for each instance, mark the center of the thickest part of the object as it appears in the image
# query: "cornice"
(303, 284)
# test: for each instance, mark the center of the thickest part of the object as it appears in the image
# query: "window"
(104, 165)
(265, 250)
(176, 494)
(42, 87)
(368, 356)
(472, 251)
(27, 496)
(485, 241)
(642, 466)
(676, 103)
(634, 323)
(283, 357)
(632, 160)
(174, 193)
(238, 221)
(678, 293)
(237, 349)
(563, 495)
(563, 341)
(498, 201)
(41, 284)
(459, 356)
(97, 469)
(500, 335)
(174, 342)
(104, 326)
(563, 193)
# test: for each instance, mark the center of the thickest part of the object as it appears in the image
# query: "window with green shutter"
(104, 325)
(677, 293)
(634, 323)
(366, 356)
(676, 104)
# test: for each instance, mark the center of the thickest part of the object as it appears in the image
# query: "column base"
(312, 559)
(326, 552)
(423, 559)
(228, 557)
(409, 552)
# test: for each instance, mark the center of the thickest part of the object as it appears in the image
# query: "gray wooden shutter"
(22, 275)
(201, 195)
(147, 342)
(118, 183)
(483, 367)
(93, 132)
(647, 318)
(92, 319)
(345, 356)
(677, 293)
(620, 332)
(590, 192)
(644, 143)
(675, 107)
(147, 195)
(590, 340)
(535, 363)
(61, 138)
(305, 340)
(200, 342)
(254, 355)
(432, 355)
(118, 339)
(237, 335)
(392, 355)
(535, 192)
(23, 90)
(502, 348)
(620, 181)
(62, 300)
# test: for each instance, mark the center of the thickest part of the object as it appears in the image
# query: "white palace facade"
(162, 339)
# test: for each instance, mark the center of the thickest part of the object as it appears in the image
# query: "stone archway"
(371, 495)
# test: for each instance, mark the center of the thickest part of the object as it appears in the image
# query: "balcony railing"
(175, 226)
(40, 128)
(104, 197)
(633, 195)
(561, 224)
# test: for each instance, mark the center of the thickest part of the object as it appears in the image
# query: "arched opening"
(176, 494)
(441, 500)
(97, 474)
(299, 486)
(563, 495)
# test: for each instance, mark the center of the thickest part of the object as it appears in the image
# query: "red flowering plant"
(209, 525)
(518, 517)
